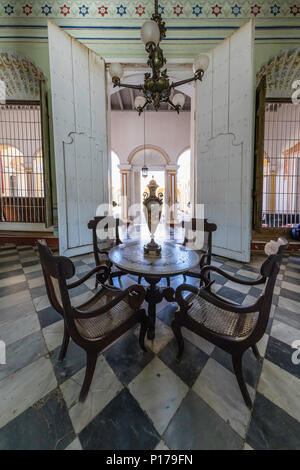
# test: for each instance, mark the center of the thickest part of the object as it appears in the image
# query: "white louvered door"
(224, 143)
(80, 137)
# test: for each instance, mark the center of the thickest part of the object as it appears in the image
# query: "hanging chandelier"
(157, 87)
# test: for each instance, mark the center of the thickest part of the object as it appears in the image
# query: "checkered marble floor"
(137, 400)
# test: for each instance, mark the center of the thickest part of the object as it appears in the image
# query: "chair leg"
(184, 278)
(238, 369)
(256, 352)
(179, 338)
(64, 346)
(139, 279)
(168, 282)
(142, 335)
(89, 372)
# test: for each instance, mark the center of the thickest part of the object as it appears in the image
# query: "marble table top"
(175, 259)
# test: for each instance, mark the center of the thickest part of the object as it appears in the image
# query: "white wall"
(167, 130)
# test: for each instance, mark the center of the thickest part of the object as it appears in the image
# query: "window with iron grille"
(21, 164)
(281, 172)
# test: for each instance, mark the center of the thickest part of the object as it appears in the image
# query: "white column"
(172, 193)
(125, 190)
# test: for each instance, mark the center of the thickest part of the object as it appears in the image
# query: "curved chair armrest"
(179, 297)
(255, 282)
(134, 301)
(95, 270)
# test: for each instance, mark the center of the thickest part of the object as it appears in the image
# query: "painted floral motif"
(140, 10)
(217, 10)
(255, 9)
(121, 10)
(83, 10)
(161, 9)
(275, 9)
(65, 10)
(295, 10)
(197, 10)
(103, 10)
(236, 10)
(46, 10)
(27, 9)
(178, 10)
(8, 9)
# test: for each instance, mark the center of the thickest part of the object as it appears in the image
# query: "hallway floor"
(137, 400)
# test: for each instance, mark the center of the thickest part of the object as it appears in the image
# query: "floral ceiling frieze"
(143, 9)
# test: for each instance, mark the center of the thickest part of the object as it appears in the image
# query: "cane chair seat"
(105, 323)
(221, 321)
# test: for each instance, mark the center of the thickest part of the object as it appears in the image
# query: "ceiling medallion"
(157, 87)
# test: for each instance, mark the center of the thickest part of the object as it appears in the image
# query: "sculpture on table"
(152, 210)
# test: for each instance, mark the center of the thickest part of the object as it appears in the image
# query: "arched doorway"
(184, 184)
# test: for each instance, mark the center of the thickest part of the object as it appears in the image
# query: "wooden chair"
(206, 251)
(231, 327)
(101, 247)
(99, 321)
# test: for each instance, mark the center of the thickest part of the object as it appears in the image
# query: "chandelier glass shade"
(157, 87)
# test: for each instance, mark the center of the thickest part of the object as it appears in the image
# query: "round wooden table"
(174, 260)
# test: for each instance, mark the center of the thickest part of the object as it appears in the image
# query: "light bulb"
(116, 70)
(139, 102)
(201, 63)
(150, 32)
(178, 100)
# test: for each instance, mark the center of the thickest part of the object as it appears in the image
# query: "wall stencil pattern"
(144, 8)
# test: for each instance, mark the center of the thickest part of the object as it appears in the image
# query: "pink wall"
(166, 130)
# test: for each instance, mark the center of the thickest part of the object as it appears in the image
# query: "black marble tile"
(8, 264)
(24, 248)
(44, 426)
(251, 367)
(252, 269)
(288, 317)
(291, 280)
(196, 426)
(255, 292)
(232, 294)
(38, 291)
(230, 269)
(126, 358)
(28, 254)
(74, 361)
(121, 425)
(23, 352)
(34, 274)
(13, 288)
(47, 316)
(289, 294)
(79, 290)
(167, 314)
(25, 264)
(281, 354)
(269, 326)
(295, 260)
(221, 280)
(271, 428)
(78, 263)
(15, 272)
(191, 363)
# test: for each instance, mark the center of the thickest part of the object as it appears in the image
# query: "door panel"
(80, 134)
(224, 126)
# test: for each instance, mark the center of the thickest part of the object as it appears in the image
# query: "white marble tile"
(105, 386)
(159, 392)
(82, 269)
(248, 274)
(24, 259)
(294, 266)
(285, 333)
(8, 259)
(31, 269)
(14, 299)
(163, 334)
(262, 345)
(291, 286)
(16, 311)
(247, 447)
(90, 283)
(53, 335)
(292, 274)
(281, 388)
(197, 341)
(36, 282)
(41, 302)
(218, 387)
(11, 267)
(22, 389)
(238, 287)
(289, 304)
(249, 300)
(75, 445)
(161, 446)
(81, 298)
(14, 330)
(10, 281)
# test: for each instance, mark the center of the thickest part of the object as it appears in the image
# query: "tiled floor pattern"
(137, 400)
